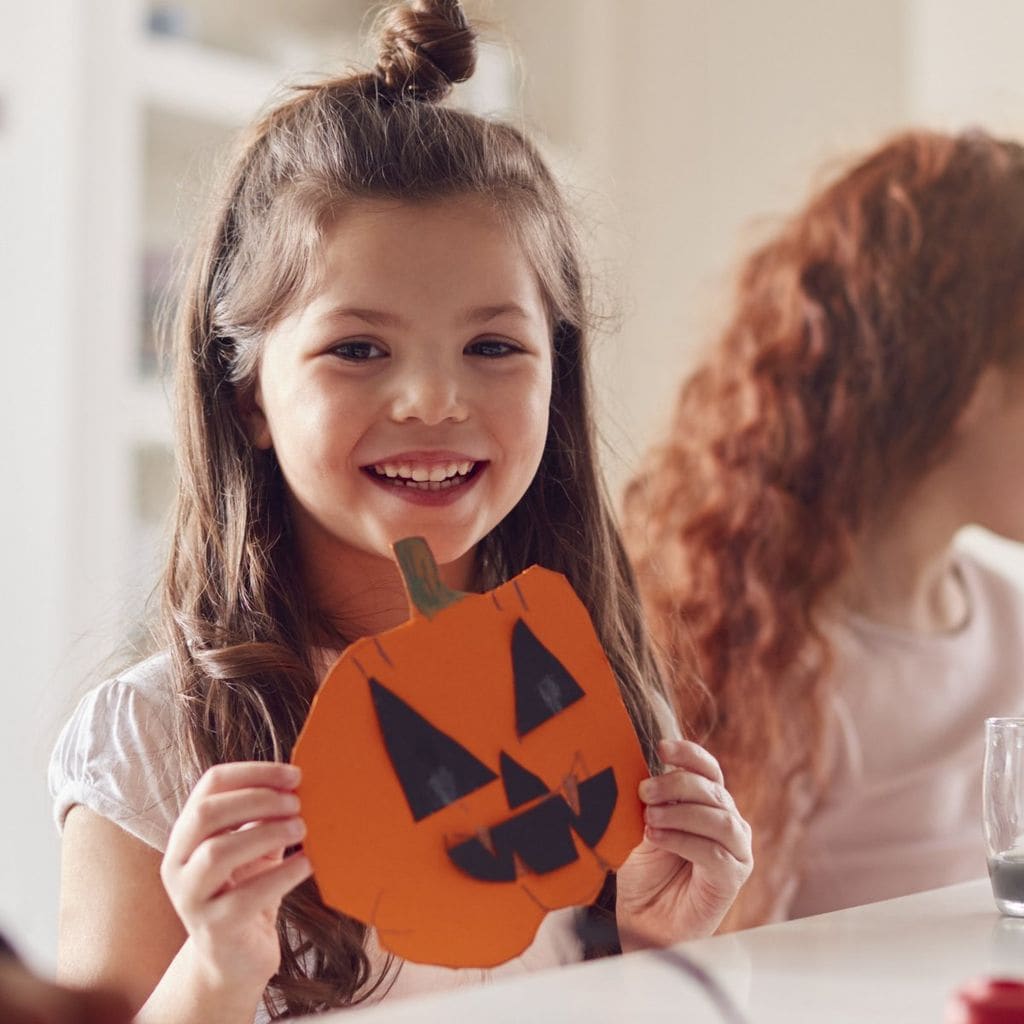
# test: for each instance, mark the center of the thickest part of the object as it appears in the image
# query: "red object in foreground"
(987, 1001)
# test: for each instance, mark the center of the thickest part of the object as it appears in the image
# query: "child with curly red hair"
(794, 533)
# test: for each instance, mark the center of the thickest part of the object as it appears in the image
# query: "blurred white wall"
(964, 64)
(39, 199)
(681, 122)
(692, 119)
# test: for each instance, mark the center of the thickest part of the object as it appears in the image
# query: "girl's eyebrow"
(481, 314)
(375, 317)
(379, 318)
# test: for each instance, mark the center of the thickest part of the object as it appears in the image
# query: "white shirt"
(902, 811)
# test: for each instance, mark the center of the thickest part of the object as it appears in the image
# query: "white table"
(896, 961)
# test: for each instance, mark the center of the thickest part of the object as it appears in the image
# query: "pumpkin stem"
(427, 593)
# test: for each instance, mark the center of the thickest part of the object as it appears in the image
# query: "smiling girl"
(382, 335)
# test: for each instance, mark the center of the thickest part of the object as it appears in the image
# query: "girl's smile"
(427, 478)
(409, 393)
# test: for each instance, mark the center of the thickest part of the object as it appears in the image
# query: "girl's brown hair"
(241, 631)
(857, 335)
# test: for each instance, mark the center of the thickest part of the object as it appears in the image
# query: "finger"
(215, 860)
(221, 812)
(702, 853)
(266, 889)
(727, 829)
(681, 786)
(246, 774)
(257, 867)
(692, 756)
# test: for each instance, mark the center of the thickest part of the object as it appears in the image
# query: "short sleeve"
(115, 756)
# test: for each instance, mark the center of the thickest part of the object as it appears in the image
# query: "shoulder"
(138, 701)
(1000, 584)
(117, 755)
(994, 583)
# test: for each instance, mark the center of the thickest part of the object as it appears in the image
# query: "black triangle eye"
(544, 686)
(433, 769)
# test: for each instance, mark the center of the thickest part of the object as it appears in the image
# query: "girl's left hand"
(694, 857)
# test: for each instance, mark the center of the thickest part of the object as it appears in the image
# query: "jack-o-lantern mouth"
(540, 839)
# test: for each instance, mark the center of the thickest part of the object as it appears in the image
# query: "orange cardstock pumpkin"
(469, 770)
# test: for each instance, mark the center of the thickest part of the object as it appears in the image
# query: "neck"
(363, 592)
(903, 572)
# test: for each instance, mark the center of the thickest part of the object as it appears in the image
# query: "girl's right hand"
(225, 870)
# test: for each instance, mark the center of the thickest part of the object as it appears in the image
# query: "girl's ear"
(250, 408)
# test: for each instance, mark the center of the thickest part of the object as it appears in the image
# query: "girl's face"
(409, 395)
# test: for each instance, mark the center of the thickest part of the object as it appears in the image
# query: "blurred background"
(682, 127)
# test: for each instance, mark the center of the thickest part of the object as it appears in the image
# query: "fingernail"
(296, 827)
(646, 789)
(293, 773)
(667, 748)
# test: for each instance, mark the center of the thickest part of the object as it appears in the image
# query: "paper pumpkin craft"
(469, 770)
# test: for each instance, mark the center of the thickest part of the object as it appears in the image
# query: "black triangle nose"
(521, 786)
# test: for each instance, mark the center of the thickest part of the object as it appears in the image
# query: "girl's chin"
(454, 554)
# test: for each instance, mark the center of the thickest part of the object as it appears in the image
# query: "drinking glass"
(1003, 796)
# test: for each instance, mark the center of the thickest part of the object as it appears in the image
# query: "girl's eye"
(492, 348)
(359, 351)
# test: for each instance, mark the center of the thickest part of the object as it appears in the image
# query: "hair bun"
(425, 48)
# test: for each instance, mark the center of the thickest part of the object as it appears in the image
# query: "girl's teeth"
(430, 476)
(439, 473)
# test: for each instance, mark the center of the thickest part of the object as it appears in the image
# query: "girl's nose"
(429, 394)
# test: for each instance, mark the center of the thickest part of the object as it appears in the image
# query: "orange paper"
(470, 770)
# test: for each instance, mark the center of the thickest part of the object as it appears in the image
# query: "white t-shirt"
(115, 756)
(902, 811)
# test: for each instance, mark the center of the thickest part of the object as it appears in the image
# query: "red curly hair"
(857, 335)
